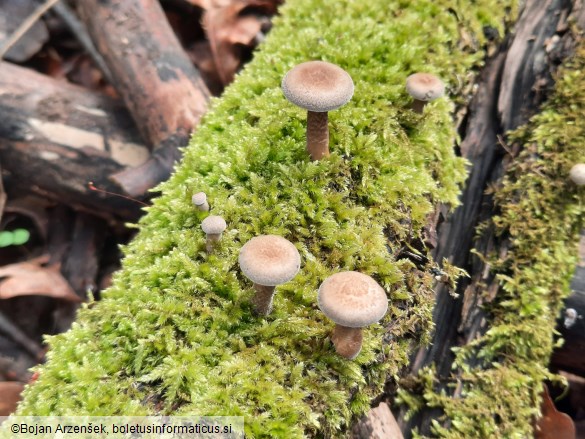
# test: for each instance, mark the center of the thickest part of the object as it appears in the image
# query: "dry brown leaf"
(9, 396)
(553, 424)
(231, 26)
(30, 278)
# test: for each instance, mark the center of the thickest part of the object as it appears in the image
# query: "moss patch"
(542, 213)
(175, 333)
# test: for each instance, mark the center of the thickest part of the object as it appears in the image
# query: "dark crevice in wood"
(515, 81)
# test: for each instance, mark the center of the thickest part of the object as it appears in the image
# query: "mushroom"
(424, 87)
(200, 201)
(213, 226)
(577, 174)
(318, 87)
(268, 260)
(352, 300)
(571, 317)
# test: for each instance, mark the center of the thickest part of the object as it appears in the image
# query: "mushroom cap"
(352, 299)
(269, 260)
(213, 225)
(577, 174)
(317, 86)
(425, 87)
(199, 198)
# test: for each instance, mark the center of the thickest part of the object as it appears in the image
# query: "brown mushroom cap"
(577, 174)
(199, 198)
(269, 260)
(213, 225)
(424, 87)
(318, 86)
(352, 299)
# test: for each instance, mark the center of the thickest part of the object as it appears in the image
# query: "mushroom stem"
(200, 202)
(262, 300)
(317, 135)
(347, 341)
(204, 207)
(418, 106)
(212, 240)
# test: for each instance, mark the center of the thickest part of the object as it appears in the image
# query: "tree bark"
(380, 424)
(57, 137)
(511, 87)
(161, 88)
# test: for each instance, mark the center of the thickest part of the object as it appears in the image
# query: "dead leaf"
(553, 424)
(9, 396)
(30, 278)
(233, 26)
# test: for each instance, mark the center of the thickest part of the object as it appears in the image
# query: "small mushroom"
(213, 226)
(352, 300)
(577, 174)
(200, 201)
(268, 260)
(318, 87)
(571, 317)
(424, 87)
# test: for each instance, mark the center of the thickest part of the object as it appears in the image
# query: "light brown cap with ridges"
(199, 198)
(577, 174)
(318, 86)
(213, 224)
(425, 86)
(269, 260)
(352, 299)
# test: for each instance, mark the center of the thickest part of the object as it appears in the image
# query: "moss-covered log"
(525, 254)
(175, 333)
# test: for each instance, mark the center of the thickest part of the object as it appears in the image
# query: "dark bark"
(161, 88)
(511, 87)
(56, 137)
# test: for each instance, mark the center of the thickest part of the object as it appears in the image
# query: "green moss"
(175, 333)
(541, 215)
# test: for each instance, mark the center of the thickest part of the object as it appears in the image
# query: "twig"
(78, 29)
(20, 337)
(25, 26)
(2, 195)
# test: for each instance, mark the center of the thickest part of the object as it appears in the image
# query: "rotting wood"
(56, 137)
(512, 86)
(379, 424)
(161, 88)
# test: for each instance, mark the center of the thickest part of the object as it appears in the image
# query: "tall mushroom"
(424, 87)
(318, 87)
(268, 260)
(213, 226)
(352, 300)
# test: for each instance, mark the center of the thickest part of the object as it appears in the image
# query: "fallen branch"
(56, 137)
(161, 88)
